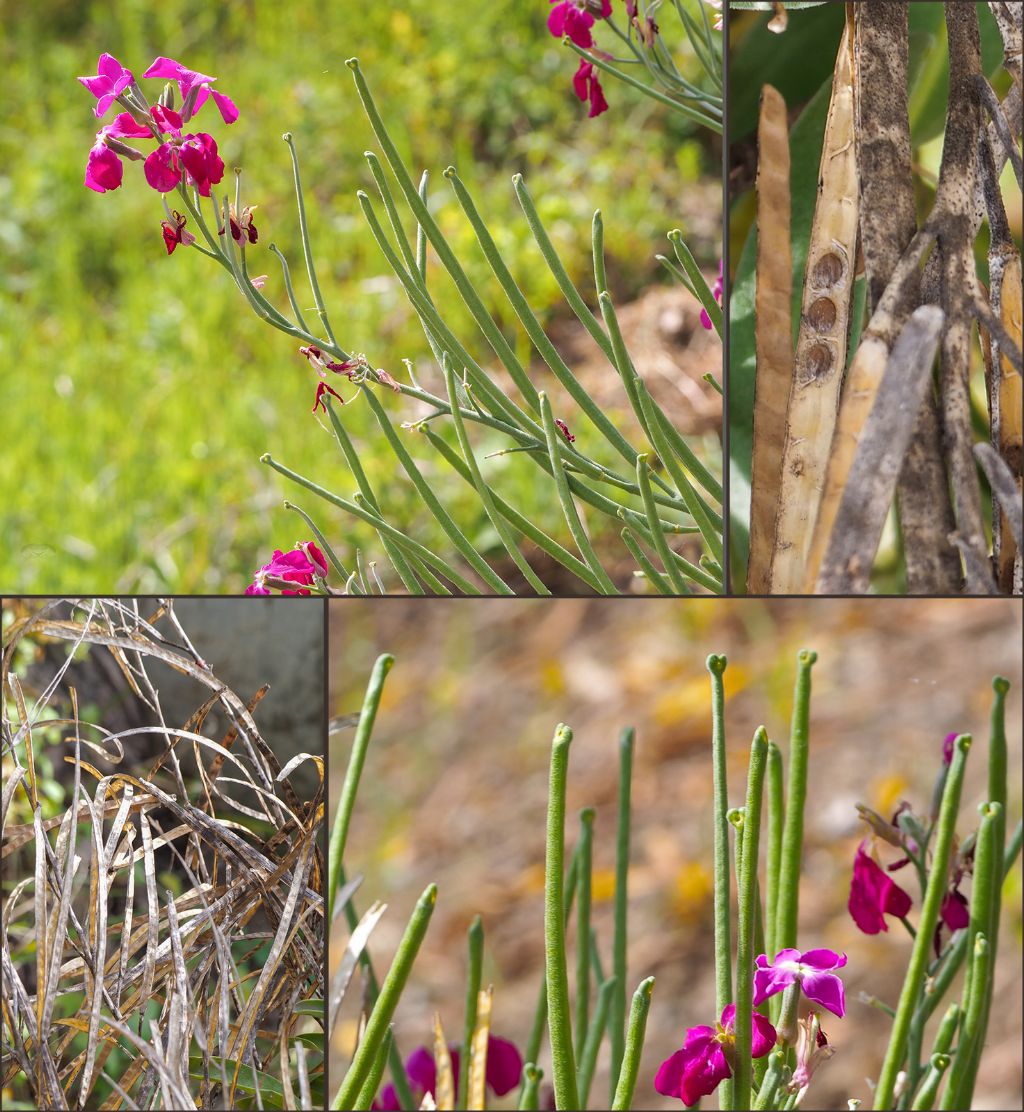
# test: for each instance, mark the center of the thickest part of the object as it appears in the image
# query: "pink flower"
(813, 970)
(588, 86)
(174, 233)
(874, 894)
(302, 565)
(196, 85)
(947, 747)
(192, 155)
(104, 169)
(574, 18)
(716, 291)
(704, 1060)
(110, 82)
(504, 1069)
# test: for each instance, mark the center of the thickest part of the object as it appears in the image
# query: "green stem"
(660, 544)
(918, 967)
(583, 878)
(617, 1009)
(960, 1085)
(383, 1010)
(475, 939)
(425, 491)
(984, 893)
(307, 249)
(529, 1098)
(929, 1089)
(289, 288)
(788, 897)
(373, 1078)
(482, 489)
(776, 815)
(569, 511)
(635, 1032)
(700, 286)
(356, 760)
(563, 1067)
(747, 897)
(644, 562)
(592, 1043)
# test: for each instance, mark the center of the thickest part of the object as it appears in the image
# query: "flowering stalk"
(917, 968)
(774, 1075)
(372, 1083)
(563, 1068)
(787, 900)
(380, 1018)
(634, 1046)
(475, 940)
(928, 1090)
(748, 901)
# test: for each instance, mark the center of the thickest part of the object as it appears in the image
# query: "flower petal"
(825, 989)
(228, 111)
(763, 1037)
(104, 170)
(504, 1062)
(160, 170)
(669, 1079)
(165, 67)
(823, 959)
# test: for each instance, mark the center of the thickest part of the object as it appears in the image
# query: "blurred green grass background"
(139, 391)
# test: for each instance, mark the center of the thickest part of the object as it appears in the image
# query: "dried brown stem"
(886, 436)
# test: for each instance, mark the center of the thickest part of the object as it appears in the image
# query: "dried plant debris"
(163, 917)
(828, 500)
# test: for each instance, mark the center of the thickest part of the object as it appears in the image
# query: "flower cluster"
(573, 19)
(182, 156)
(708, 1054)
(504, 1069)
(291, 573)
(874, 894)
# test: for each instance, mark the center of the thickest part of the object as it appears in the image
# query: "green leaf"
(247, 1077)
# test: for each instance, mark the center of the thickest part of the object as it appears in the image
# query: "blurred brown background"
(455, 787)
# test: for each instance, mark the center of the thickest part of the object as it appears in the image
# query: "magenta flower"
(947, 748)
(197, 85)
(574, 18)
(321, 363)
(813, 970)
(716, 291)
(302, 565)
(174, 233)
(110, 82)
(504, 1069)
(874, 894)
(587, 85)
(104, 169)
(704, 1060)
(192, 156)
(563, 428)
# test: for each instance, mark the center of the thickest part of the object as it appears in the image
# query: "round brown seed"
(822, 314)
(819, 360)
(827, 270)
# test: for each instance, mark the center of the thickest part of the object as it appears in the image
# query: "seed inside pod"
(819, 361)
(822, 314)
(827, 270)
